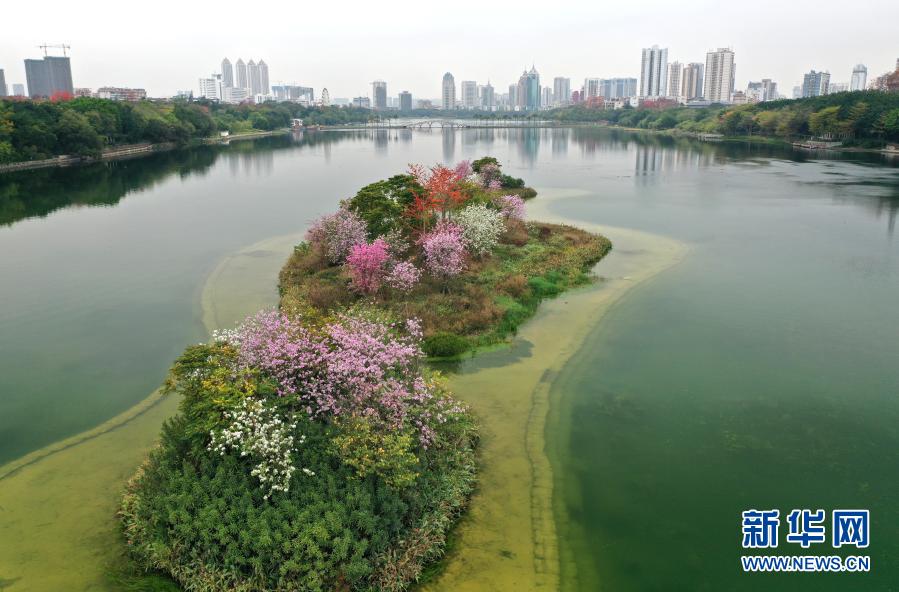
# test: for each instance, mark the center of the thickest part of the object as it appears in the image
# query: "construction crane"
(62, 46)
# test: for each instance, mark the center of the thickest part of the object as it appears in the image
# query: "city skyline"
(584, 43)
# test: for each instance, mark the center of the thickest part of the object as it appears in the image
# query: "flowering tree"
(368, 264)
(491, 176)
(337, 233)
(441, 194)
(463, 170)
(481, 227)
(444, 250)
(510, 206)
(404, 276)
(354, 367)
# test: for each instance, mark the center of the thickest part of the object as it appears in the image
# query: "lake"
(760, 370)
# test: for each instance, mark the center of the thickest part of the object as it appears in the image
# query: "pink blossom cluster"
(337, 233)
(511, 206)
(404, 276)
(355, 366)
(491, 176)
(463, 170)
(368, 264)
(444, 250)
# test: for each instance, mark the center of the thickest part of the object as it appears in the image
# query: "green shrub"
(510, 182)
(524, 192)
(477, 164)
(445, 345)
(543, 287)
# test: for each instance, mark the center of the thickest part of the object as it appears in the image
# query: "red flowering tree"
(442, 193)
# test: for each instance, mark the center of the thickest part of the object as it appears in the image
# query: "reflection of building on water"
(259, 163)
(449, 144)
(381, 138)
(653, 159)
(560, 138)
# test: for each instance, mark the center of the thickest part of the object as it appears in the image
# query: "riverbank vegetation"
(866, 118)
(34, 130)
(447, 246)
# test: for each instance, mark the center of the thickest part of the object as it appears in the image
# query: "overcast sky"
(166, 45)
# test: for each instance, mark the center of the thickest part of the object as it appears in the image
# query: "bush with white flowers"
(481, 227)
(257, 431)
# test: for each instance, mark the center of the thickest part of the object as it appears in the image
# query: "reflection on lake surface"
(759, 372)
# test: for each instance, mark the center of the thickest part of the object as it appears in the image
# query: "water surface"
(759, 372)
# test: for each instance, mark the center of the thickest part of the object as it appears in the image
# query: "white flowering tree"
(481, 228)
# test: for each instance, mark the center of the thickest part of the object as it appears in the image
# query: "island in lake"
(315, 449)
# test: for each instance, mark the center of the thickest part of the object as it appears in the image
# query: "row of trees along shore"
(867, 118)
(33, 130)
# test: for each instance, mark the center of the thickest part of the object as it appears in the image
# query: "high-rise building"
(561, 91)
(294, 93)
(49, 76)
(448, 101)
(546, 97)
(691, 81)
(405, 101)
(326, 98)
(529, 90)
(653, 72)
(675, 76)
(241, 79)
(211, 88)
(591, 88)
(18, 90)
(3, 92)
(488, 97)
(379, 94)
(362, 102)
(227, 73)
(815, 84)
(513, 97)
(470, 94)
(719, 75)
(612, 88)
(759, 92)
(234, 95)
(253, 78)
(264, 87)
(859, 77)
(837, 87)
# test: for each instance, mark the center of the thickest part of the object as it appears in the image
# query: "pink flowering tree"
(354, 367)
(463, 170)
(368, 265)
(491, 176)
(337, 233)
(444, 250)
(510, 206)
(404, 276)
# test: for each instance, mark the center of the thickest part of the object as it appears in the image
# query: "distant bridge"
(428, 124)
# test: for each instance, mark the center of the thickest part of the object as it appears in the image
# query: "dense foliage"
(311, 453)
(869, 117)
(31, 130)
(446, 245)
